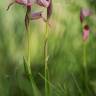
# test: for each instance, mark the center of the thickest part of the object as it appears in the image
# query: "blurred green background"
(65, 50)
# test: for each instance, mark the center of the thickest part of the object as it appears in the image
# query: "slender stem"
(84, 57)
(28, 44)
(29, 61)
(46, 61)
(85, 65)
(35, 91)
(84, 61)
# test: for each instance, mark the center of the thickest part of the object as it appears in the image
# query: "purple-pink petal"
(24, 2)
(84, 13)
(36, 15)
(44, 3)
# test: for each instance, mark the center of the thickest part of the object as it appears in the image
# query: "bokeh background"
(65, 50)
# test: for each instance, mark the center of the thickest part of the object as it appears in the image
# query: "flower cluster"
(83, 14)
(34, 15)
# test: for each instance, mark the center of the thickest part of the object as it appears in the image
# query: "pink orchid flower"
(86, 31)
(34, 15)
(84, 13)
(29, 3)
(47, 4)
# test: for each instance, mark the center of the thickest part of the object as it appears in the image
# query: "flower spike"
(86, 29)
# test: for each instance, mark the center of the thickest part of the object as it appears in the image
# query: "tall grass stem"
(47, 89)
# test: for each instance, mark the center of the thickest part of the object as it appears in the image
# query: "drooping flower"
(47, 4)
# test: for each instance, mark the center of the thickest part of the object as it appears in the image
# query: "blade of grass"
(77, 85)
(50, 84)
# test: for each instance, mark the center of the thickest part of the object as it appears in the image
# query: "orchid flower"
(86, 31)
(37, 15)
(44, 3)
(34, 15)
(47, 4)
(83, 14)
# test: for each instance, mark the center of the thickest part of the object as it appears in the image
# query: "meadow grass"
(71, 64)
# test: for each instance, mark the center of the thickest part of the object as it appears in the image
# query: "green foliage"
(65, 51)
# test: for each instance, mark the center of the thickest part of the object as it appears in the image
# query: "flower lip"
(35, 15)
(86, 31)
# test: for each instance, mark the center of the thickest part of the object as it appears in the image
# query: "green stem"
(29, 62)
(46, 61)
(85, 58)
(85, 65)
(28, 48)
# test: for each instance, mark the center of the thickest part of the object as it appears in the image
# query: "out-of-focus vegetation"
(65, 50)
